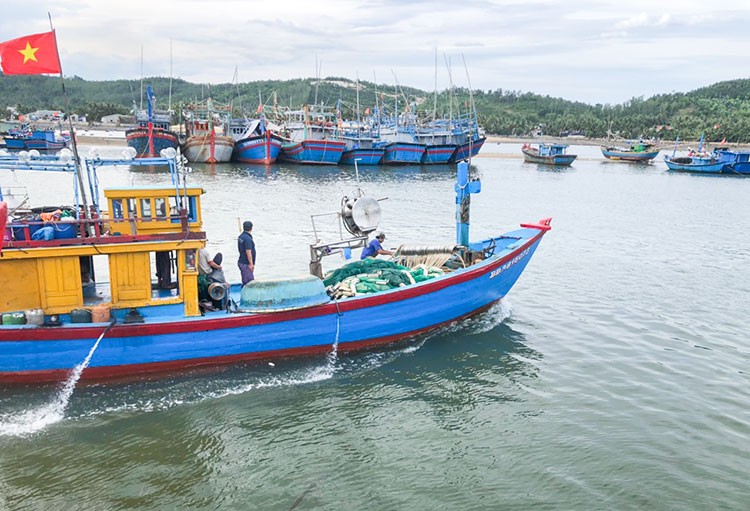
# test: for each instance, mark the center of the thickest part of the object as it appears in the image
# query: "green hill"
(720, 110)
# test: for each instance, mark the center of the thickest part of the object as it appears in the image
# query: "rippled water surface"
(615, 375)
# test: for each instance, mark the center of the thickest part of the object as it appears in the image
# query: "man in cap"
(375, 247)
(246, 247)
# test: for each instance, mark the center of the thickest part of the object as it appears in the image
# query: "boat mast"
(169, 104)
(450, 89)
(472, 110)
(359, 120)
(141, 107)
(434, 105)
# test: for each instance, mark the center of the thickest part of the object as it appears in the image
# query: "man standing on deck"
(246, 247)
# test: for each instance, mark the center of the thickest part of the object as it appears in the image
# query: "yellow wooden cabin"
(148, 248)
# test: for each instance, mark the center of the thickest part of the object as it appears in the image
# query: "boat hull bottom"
(157, 370)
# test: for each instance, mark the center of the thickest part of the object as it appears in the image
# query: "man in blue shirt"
(246, 247)
(375, 247)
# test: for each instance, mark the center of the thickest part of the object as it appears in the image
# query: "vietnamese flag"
(30, 55)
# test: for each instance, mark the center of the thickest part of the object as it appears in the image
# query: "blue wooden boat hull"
(15, 144)
(257, 149)
(315, 152)
(698, 165)
(362, 156)
(166, 341)
(403, 153)
(467, 150)
(438, 153)
(43, 140)
(148, 143)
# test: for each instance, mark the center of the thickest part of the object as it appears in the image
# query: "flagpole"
(79, 171)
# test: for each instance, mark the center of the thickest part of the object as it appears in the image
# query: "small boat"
(254, 142)
(27, 138)
(153, 132)
(548, 154)
(149, 317)
(205, 129)
(699, 162)
(736, 162)
(637, 151)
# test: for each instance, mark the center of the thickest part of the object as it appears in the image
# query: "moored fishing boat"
(205, 130)
(153, 131)
(362, 154)
(548, 154)
(254, 142)
(636, 152)
(153, 291)
(43, 140)
(310, 138)
(704, 163)
(735, 162)
(438, 147)
(403, 153)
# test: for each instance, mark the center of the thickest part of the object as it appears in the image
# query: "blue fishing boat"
(310, 138)
(312, 152)
(141, 326)
(363, 156)
(152, 133)
(43, 140)
(702, 165)
(435, 154)
(254, 142)
(403, 153)
(548, 154)
(736, 162)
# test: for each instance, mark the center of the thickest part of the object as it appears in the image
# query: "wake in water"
(154, 396)
(31, 421)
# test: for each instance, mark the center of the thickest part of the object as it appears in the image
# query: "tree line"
(718, 111)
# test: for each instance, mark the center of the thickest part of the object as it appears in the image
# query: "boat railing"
(96, 230)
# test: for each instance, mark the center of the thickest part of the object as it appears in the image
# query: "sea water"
(613, 376)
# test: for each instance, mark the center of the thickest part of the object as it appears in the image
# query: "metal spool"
(217, 291)
(361, 215)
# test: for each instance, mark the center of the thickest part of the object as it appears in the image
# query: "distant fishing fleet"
(310, 135)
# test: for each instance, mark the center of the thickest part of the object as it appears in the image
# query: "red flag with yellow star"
(30, 55)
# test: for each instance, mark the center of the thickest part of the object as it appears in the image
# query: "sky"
(594, 51)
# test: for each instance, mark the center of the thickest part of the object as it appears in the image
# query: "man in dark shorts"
(246, 247)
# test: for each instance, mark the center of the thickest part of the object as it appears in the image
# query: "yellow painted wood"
(150, 209)
(189, 288)
(60, 284)
(19, 285)
(130, 278)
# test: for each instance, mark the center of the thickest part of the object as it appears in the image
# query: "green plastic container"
(14, 318)
(80, 316)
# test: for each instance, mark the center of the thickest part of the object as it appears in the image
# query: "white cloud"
(593, 51)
